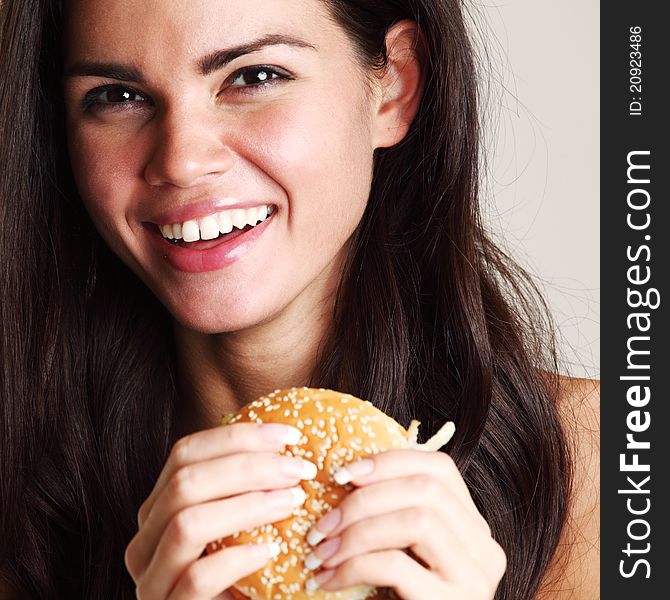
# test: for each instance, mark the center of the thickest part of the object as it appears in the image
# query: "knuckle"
(181, 452)
(182, 484)
(181, 527)
(426, 486)
(143, 513)
(349, 572)
(394, 561)
(499, 560)
(142, 590)
(448, 465)
(130, 559)
(196, 581)
(486, 528)
(420, 518)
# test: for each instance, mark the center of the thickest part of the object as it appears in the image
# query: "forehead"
(130, 29)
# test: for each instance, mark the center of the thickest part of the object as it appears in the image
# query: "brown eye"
(118, 95)
(257, 77)
(112, 96)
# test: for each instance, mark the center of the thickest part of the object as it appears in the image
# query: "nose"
(187, 150)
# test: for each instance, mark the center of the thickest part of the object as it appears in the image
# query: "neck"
(219, 373)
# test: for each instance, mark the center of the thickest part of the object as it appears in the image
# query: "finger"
(211, 480)
(213, 574)
(389, 568)
(190, 530)
(396, 494)
(417, 528)
(216, 442)
(392, 464)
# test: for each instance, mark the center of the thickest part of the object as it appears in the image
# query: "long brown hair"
(432, 321)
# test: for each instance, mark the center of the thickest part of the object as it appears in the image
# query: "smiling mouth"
(206, 244)
(237, 230)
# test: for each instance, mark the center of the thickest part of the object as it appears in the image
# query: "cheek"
(321, 155)
(103, 171)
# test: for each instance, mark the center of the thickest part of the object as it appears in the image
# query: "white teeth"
(239, 218)
(209, 228)
(252, 216)
(225, 223)
(190, 231)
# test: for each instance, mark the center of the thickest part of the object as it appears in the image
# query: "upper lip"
(202, 208)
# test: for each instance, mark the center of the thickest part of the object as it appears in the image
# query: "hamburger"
(337, 429)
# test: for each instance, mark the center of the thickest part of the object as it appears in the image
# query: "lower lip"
(211, 259)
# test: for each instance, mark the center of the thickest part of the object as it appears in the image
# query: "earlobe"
(401, 84)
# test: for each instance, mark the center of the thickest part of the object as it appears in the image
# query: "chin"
(210, 319)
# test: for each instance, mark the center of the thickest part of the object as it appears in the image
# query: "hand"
(407, 499)
(210, 488)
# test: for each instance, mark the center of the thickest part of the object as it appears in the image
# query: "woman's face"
(187, 114)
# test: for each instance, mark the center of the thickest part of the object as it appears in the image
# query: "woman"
(131, 133)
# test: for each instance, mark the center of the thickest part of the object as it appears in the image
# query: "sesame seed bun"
(337, 429)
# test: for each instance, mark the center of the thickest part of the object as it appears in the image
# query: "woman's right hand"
(215, 483)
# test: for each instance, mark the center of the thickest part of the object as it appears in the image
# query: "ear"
(401, 85)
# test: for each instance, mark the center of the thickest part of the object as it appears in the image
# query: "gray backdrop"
(542, 180)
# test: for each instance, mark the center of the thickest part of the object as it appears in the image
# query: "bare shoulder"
(575, 574)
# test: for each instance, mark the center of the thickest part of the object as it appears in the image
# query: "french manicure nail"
(353, 470)
(268, 550)
(278, 432)
(313, 583)
(324, 526)
(294, 496)
(322, 553)
(297, 467)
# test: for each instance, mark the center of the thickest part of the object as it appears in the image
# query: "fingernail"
(324, 526)
(267, 550)
(294, 496)
(353, 470)
(297, 467)
(278, 432)
(322, 553)
(313, 583)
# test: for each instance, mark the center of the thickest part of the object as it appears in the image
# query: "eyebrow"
(204, 66)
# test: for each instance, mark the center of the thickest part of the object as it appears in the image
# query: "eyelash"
(91, 100)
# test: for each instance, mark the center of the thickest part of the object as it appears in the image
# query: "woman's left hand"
(407, 499)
